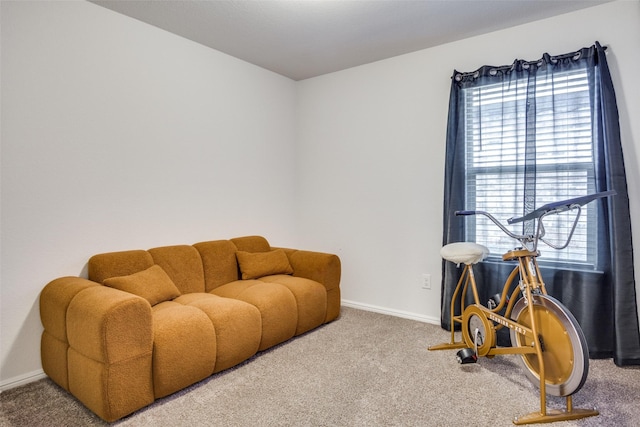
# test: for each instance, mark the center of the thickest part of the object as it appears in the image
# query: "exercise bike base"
(447, 346)
(554, 415)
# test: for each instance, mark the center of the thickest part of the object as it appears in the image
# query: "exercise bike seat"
(464, 252)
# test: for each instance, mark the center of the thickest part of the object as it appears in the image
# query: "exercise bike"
(542, 330)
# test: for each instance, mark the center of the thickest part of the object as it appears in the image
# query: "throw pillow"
(152, 284)
(260, 264)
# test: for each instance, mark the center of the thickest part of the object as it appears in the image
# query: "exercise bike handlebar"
(495, 221)
(562, 206)
(539, 214)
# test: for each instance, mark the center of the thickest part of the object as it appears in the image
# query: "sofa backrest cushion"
(152, 284)
(183, 265)
(198, 268)
(115, 264)
(251, 244)
(219, 262)
(259, 264)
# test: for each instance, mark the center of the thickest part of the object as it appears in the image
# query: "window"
(549, 140)
(576, 143)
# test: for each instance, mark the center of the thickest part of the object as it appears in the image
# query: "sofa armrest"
(323, 268)
(54, 347)
(109, 325)
(54, 302)
(110, 354)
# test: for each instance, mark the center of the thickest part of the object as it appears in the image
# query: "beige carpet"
(364, 369)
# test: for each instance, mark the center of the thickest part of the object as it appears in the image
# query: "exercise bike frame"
(530, 285)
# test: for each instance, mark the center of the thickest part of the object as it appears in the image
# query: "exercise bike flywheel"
(564, 349)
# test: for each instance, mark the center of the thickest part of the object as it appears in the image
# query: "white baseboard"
(391, 312)
(22, 380)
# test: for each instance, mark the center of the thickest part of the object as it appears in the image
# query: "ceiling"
(300, 39)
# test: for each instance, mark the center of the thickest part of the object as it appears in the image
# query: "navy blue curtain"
(603, 300)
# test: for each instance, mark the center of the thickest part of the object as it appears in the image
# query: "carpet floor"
(364, 369)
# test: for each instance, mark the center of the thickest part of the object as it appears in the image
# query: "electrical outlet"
(426, 281)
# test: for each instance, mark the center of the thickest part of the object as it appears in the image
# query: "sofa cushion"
(219, 262)
(152, 284)
(183, 265)
(114, 264)
(251, 244)
(311, 299)
(238, 326)
(184, 347)
(258, 264)
(276, 303)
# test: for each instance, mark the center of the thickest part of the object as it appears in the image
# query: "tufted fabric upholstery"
(118, 351)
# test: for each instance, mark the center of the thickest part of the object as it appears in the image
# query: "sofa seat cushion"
(276, 303)
(238, 326)
(311, 299)
(152, 284)
(184, 347)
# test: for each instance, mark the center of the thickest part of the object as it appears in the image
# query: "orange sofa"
(148, 323)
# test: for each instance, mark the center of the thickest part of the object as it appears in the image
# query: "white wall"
(117, 135)
(371, 144)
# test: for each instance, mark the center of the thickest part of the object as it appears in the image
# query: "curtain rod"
(459, 76)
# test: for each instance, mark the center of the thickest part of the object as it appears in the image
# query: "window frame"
(575, 83)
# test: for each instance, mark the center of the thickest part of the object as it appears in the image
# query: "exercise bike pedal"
(466, 355)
